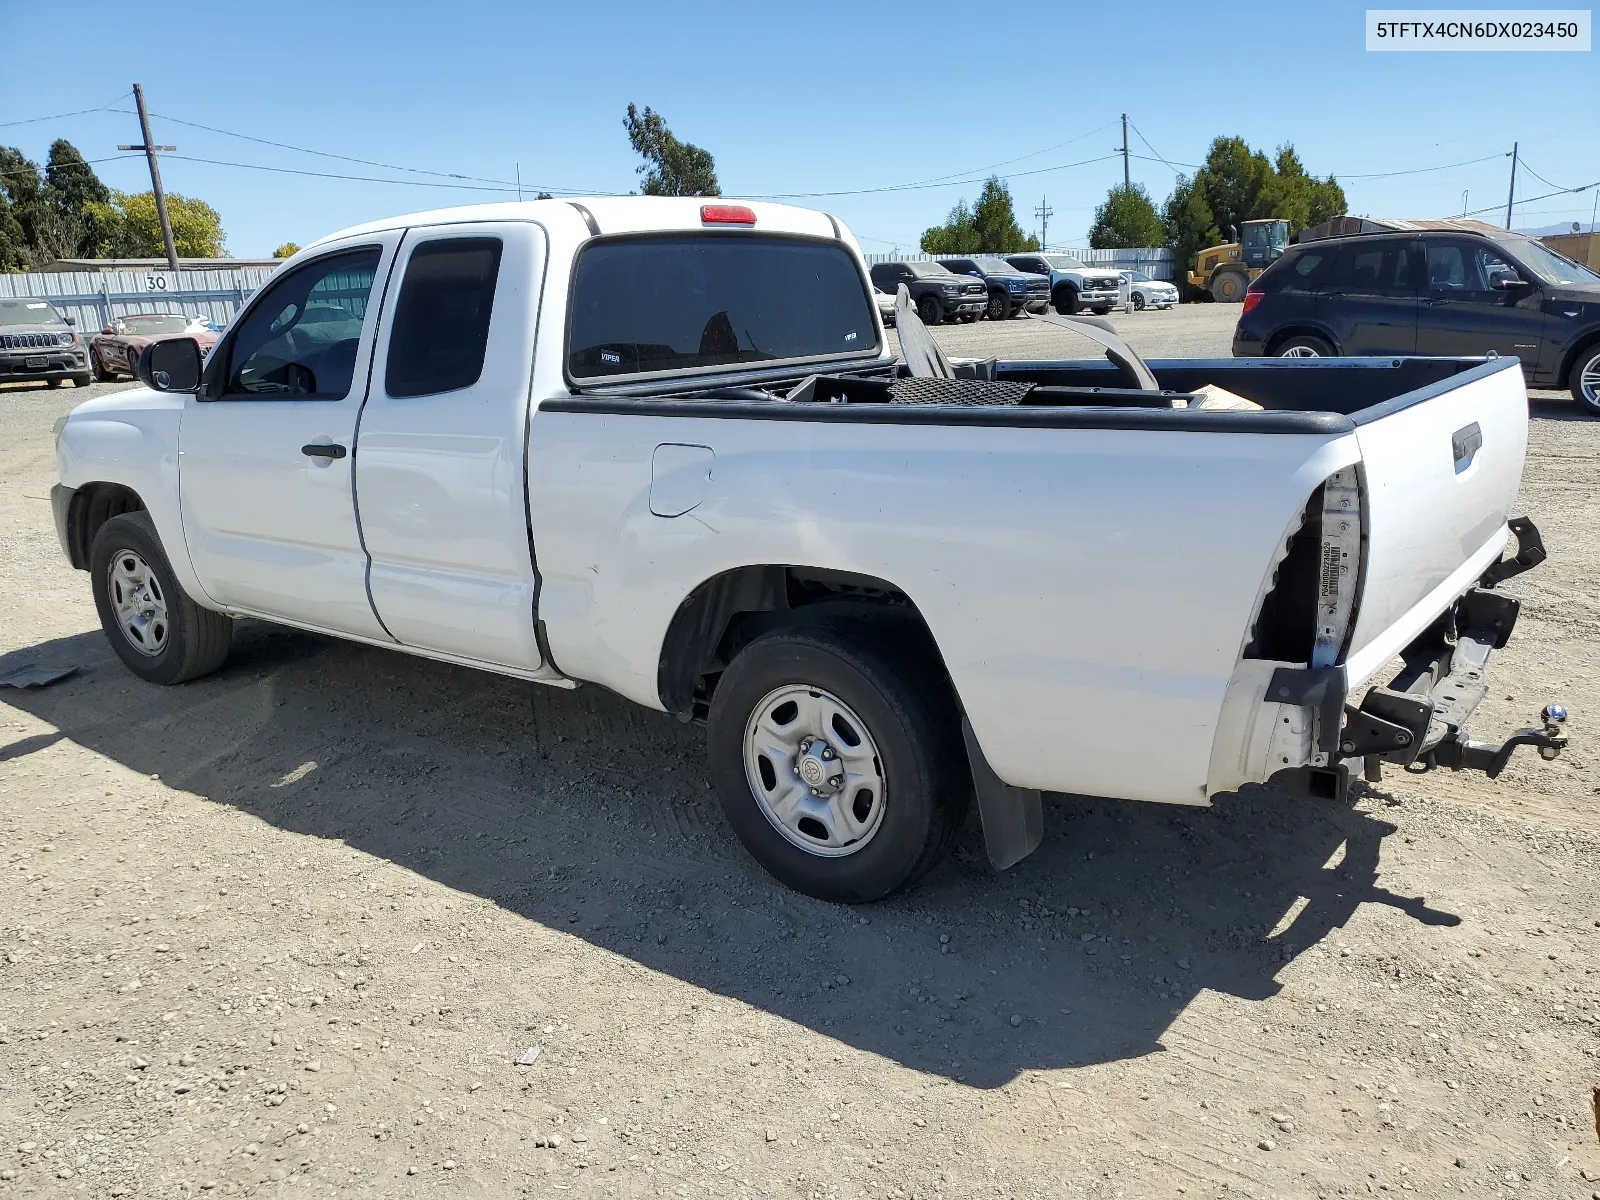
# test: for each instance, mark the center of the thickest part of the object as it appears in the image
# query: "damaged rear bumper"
(1418, 720)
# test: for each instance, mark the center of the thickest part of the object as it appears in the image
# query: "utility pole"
(1044, 212)
(150, 150)
(1123, 150)
(1512, 195)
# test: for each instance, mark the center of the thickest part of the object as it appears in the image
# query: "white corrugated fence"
(94, 297)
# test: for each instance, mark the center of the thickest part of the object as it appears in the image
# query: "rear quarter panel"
(1089, 589)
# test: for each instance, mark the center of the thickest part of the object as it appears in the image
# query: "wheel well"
(725, 613)
(92, 506)
(1587, 342)
(1283, 335)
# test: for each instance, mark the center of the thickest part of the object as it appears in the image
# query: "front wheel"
(1066, 301)
(1585, 380)
(839, 765)
(1138, 302)
(1305, 346)
(160, 634)
(999, 307)
(1228, 287)
(930, 310)
(102, 373)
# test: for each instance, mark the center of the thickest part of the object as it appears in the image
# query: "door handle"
(323, 450)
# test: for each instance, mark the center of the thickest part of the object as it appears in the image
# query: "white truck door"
(264, 466)
(440, 456)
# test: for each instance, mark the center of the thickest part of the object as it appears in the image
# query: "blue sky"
(815, 97)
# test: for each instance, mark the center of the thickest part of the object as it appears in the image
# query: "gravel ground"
(288, 930)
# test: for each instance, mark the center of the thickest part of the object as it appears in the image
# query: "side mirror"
(171, 366)
(1505, 281)
(70, 320)
(107, 330)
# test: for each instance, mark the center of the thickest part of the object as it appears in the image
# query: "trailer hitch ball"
(1554, 717)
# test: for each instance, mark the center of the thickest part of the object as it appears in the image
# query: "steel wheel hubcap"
(814, 770)
(139, 603)
(1300, 352)
(1589, 380)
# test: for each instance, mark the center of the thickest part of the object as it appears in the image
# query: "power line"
(1477, 212)
(106, 107)
(1157, 153)
(469, 187)
(957, 175)
(1424, 170)
(365, 162)
(1543, 180)
(60, 166)
(910, 187)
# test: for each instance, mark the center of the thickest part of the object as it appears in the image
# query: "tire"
(1101, 310)
(930, 310)
(1066, 301)
(102, 373)
(903, 818)
(1138, 302)
(1305, 345)
(1585, 379)
(173, 639)
(967, 318)
(79, 381)
(1228, 287)
(999, 307)
(53, 383)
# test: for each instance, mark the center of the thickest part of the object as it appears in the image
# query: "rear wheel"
(1585, 380)
(79, 381)
(1228, 287)
(1304, 345)
(160, 634)
(839, 765)
(54, 383)
(1066, 301)
(999, 307)
(930, 310)
(1101, 310)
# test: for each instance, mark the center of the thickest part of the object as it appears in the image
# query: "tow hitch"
(1419, 720)
(1461, 753)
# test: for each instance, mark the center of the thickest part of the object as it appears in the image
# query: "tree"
(70, 188)
(1190, 224)
(136, 227)
(287, 250)
(1126, 219)
(43, 239)
(988, 227)
(1238, 184)
(670, 167)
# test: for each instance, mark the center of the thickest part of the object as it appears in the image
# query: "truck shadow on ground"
(590, 815)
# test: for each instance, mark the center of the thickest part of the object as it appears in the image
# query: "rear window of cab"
(679, 303)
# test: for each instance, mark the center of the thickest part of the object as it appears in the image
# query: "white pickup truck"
(661, 446)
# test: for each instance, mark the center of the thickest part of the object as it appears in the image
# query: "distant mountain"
(1548, 230)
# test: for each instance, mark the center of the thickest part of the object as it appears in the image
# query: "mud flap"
(1013, 818)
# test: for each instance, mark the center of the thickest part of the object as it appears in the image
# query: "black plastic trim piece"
(1305, 424)
(588, 218)
(834, 223)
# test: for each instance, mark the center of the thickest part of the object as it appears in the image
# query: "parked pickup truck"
(659, 445)
(1073, 286)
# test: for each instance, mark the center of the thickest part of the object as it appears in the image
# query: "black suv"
(936, 293)
(1010, 290)
(1433, 293)
(37, 342)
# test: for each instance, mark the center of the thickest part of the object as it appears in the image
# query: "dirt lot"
(287, 930)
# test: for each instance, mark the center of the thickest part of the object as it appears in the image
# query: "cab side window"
(299, 342)
(441, 322)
